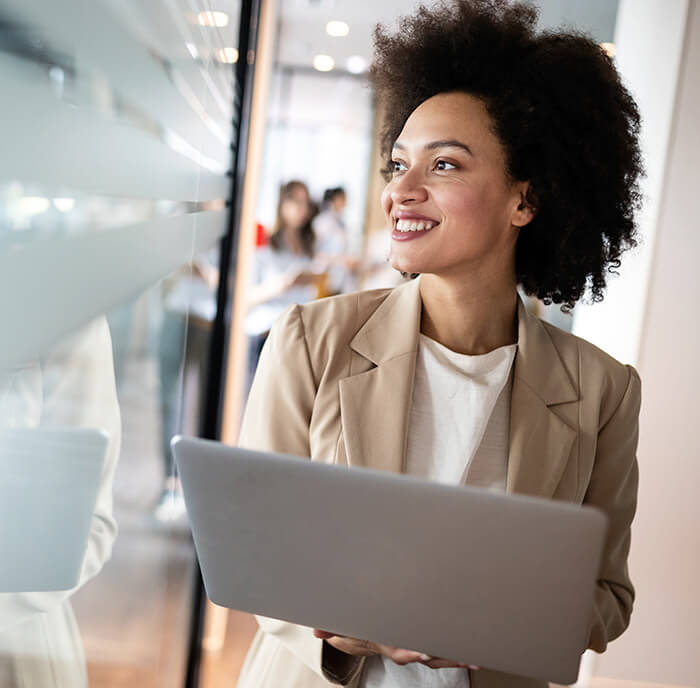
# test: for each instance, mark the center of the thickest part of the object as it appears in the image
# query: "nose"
(408, 188)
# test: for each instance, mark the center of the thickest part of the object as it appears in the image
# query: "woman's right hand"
(365, 648)
(301, 278)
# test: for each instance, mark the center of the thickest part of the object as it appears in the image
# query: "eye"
(396, 166)
(445, 165)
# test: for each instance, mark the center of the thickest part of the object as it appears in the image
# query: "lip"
(407, 215)
(397, 235)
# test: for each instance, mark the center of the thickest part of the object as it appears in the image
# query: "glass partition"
(119, 123)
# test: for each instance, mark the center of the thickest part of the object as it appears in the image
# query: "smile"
(414, 225)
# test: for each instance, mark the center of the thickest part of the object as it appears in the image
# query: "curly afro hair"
(565, 121)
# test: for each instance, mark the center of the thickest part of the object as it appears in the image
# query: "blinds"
(117, 123)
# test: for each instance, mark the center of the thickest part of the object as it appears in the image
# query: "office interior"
(144, 146)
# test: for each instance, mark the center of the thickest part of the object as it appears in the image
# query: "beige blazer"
(335, 382)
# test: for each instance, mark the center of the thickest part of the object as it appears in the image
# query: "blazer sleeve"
(613, 489)
(277, 419)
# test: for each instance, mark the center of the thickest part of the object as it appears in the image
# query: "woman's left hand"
(364, 648)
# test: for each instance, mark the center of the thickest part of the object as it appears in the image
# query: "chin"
(405, 264)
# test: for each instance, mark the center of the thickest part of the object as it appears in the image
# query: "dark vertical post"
(218, 346)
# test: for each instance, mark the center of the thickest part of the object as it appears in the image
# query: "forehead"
(458, 116)
(297, 192)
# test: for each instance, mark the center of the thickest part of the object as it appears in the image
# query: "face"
(339, 202)
(448, 202)
(295, 208)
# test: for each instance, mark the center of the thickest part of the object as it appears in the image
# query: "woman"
(512, 159)
(282, 270)
(332, 241)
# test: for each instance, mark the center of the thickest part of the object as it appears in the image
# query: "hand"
(300, 278)
(365, 648)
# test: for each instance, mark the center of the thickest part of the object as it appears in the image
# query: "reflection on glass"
(59, 438)
(188, 313)
(116, 142)
(160, 342)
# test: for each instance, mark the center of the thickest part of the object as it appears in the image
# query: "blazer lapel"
(376, 399)
(540, 440)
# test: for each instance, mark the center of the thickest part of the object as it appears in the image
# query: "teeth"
(413, 226)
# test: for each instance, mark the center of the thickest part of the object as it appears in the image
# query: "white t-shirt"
(459, 426)
(270, 264)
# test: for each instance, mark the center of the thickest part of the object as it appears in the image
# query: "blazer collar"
(538, 363)
(375, 401)
(393, 329)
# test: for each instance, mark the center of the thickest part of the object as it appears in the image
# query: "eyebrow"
(443, 143)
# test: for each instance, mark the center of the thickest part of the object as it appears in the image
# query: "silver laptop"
(502, 581)
(48, 490)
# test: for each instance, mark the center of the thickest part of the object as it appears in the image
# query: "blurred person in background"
(332, 241)
(189, 309)
(283, 271)
(448, 377)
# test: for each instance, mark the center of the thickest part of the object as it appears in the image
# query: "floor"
(221, 667)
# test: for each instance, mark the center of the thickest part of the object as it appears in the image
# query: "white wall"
(649, 42)
(662, 644)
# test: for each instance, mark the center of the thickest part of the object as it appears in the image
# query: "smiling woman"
(458, 185)
(547, 108)
(512, 159)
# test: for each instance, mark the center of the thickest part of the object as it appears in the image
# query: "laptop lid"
(502, 581)
(50, 480)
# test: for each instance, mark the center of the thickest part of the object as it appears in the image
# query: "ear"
(525, 210)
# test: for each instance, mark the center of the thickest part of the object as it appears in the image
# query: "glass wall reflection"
(114, 186)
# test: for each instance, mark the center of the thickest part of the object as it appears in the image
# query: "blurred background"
(172, 175)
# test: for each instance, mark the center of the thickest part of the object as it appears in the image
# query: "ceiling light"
(337, 28)
(33, 205)
(227, 55)
(356, 64)
(192, 50)
(212, 19)
(65, 205)
(324, 63)
(609, 48)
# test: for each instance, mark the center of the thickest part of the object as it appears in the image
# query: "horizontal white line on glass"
(49, 289)
(47, 141)
(179, 95)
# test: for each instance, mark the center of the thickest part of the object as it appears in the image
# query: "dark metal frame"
(220, 334)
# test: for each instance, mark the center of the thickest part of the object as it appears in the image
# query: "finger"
(439, 663)
(401, 657)
(324, 635)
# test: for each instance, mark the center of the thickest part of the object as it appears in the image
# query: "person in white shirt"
(332, 242)
(283, 270)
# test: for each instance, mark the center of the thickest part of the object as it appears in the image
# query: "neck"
(469, 316)
(292, 238)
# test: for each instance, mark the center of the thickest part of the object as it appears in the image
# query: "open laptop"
(502, 581)
(48, 490)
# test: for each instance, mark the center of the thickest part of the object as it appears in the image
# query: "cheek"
(386, 199)
(286, 212)
(463, 205)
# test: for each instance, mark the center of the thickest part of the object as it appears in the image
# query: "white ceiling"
(302, 31)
